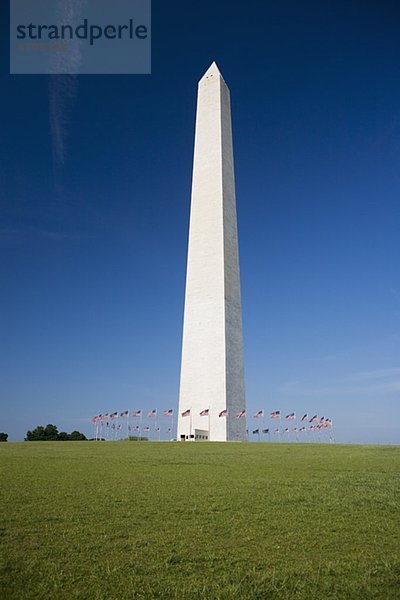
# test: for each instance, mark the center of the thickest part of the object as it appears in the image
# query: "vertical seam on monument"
(229, 416)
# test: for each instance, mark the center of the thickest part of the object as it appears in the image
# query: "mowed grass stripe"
(206, 520)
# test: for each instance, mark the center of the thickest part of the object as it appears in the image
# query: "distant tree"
(3, 437)
(42, 434)
(37, 435)
(50, 434)
(77, 436)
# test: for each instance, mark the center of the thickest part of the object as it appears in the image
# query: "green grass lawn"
(207, 520)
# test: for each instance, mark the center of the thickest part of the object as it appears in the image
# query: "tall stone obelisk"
(212, 377)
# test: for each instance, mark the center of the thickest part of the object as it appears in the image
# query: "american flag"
(157, 429)
(94, 420)
(256, 431)
(265, 430)
(223, 413)
(302, 429)
(105, 417)
(114, 415)
(314, 419)
(205, 412)
(304, 417)
(286, 430)
(136, 428)
(276, 414)
(137, 413)
(259, 414)
(241, 414)
(291, 416)
(146, 429)
(328, 422)
(276, 430)
(124, 414)
(152, 413)
(294, 429)
(186, 413)
(168, 413)
(169, 429)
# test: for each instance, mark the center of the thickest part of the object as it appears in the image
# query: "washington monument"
(212, 380)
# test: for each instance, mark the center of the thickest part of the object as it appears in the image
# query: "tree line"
(50, 433)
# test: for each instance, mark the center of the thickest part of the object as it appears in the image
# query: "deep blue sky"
(94, 222)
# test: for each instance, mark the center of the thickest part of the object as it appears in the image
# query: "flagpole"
(190, 432)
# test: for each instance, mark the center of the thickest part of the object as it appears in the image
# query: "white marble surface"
(212, 349)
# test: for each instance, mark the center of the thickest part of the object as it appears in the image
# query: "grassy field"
(217, 521)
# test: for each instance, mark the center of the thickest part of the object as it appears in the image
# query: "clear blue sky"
(95, 194)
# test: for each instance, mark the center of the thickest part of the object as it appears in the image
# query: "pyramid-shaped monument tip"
(214, 67)
(212, 70)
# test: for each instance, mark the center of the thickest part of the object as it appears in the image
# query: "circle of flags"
(117, 425)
